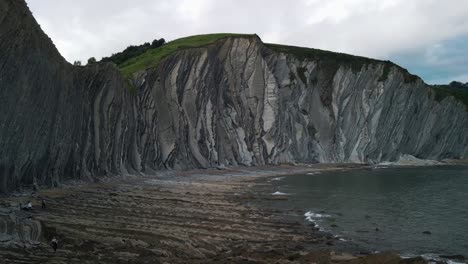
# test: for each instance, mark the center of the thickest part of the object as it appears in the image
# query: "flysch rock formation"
(234, 102)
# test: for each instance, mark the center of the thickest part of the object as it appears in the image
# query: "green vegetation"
(130, 87)
(151, 57)
(133, 51)
(92, 61)
(145, 56)
(409, 78)
(455, 89)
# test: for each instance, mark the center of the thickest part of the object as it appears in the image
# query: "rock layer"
(238, 103)
(56, 121)
(195, 217)
(234, 102)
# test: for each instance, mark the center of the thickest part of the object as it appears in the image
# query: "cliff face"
(238, 102)
(56, 121)
(234, 102)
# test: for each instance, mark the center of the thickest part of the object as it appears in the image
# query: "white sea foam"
(454, 262)
(316, 218)
(378, 167)
(279, 193)
(340, 238)
(432, 258)
(277, 179)
(311, 215)
(313, 173)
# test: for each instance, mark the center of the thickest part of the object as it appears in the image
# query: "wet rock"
(416, 260)
(221, 167)
(342, 257)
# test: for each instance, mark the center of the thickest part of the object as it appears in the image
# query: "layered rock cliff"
(56, 121)
(239, 102)
(234, 102)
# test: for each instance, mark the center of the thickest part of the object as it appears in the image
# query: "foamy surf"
(311, 215)
(277, 179)
(279, 193)
(432, 258)
(315, 218)
(340, 238)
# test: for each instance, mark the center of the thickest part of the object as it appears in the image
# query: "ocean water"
(413, 211)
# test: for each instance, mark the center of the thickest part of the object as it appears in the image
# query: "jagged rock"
(234, 102)
(19, 226)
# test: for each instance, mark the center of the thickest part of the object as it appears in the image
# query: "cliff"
(57, 121)
(233, 101)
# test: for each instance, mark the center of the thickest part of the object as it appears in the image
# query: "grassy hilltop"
(331, 60)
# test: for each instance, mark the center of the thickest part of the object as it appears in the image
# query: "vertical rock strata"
(233, 102)
(237, 102)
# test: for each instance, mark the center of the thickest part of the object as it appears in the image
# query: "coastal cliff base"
(199, 216)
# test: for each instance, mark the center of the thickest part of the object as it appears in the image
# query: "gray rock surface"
(56, 121)
(238, 103)
(235, 102)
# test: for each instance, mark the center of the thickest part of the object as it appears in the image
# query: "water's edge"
(269, 186)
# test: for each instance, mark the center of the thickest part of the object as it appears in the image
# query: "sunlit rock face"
(234, 102)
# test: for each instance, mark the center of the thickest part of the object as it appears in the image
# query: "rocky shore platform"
(197, 216)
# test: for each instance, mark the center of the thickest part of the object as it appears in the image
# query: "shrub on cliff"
(133, 51)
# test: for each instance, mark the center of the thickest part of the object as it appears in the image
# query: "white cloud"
(379, 30)
(375, 28)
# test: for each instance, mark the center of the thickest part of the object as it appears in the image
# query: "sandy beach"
(197, 216)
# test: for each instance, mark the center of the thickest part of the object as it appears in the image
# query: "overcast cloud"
(426, 36)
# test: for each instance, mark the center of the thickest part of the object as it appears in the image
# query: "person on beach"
(43, 204)
(28, 206)
(54, 244)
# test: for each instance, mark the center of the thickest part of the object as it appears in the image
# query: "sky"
(428, 37)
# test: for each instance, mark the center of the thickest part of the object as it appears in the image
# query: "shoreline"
(202, 215)
(354, 249)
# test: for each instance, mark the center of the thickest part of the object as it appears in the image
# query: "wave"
(278, 179)
(431, 258)
(279, 193)
(315, 218)
(311, 215)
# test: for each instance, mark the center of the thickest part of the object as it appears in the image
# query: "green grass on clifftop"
(330, 61)
(152, 57)
(460, 93)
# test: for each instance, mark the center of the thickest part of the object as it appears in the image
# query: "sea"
(414, 211)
